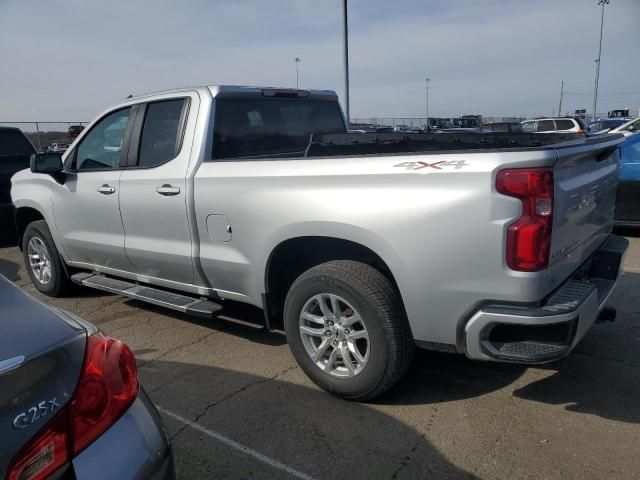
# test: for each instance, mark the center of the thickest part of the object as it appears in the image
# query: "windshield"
(13, 142)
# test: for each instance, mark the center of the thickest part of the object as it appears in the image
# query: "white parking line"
(238, 446)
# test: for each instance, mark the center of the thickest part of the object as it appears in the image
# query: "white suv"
(552, 125)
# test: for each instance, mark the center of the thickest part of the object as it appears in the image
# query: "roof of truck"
(230, 90)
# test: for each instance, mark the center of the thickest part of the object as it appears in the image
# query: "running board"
(174, 301)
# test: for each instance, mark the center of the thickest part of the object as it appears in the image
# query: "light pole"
(297, 60)
(595, 87)
(561, 95)
(345, 38)
(427, 80)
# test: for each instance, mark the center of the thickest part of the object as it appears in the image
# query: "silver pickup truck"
(494, 245)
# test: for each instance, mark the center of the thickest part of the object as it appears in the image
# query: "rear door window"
(564, 124)
(529, 127)
(161, 132)
(256, 127)
(545, 126)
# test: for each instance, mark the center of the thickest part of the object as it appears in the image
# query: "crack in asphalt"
(173, 379)
(98, 308)
(407, 459)
(232, 394)
(168, 352)
(432, 416)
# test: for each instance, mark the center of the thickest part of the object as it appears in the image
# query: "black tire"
(377, 301)
(59, 283)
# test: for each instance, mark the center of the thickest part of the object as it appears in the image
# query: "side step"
(174, 301)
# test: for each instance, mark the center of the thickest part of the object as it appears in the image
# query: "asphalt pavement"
(237, 406)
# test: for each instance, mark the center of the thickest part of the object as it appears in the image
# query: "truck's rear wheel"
(347, 329)
(42, 260)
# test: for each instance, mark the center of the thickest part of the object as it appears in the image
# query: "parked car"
(504, 127)
(628, 199)
(15, 151)
(58, 147)
(552, 125)
(360, 242)
(605, 125)
(621, 113)
(628, 128)
(75, 130)
(70, 402)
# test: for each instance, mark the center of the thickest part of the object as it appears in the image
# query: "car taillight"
(44, 454)
(108, 385)
(529, 237)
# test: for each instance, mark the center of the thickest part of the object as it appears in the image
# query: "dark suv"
(15, 151)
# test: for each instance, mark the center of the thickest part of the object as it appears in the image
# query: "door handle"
(168, 190)
(106, 189)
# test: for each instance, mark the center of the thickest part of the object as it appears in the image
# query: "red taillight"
(43, 455)
(529, 237)
(108, 385)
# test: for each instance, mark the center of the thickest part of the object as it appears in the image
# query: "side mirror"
(50, 163)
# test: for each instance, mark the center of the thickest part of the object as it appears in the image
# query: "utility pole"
(427, 80)
(597, 79)
(345, 36)
(561, 94)
(297, 61)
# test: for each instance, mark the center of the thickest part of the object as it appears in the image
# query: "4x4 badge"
(456, 164)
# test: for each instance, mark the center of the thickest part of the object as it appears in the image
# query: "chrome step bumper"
(549, 331)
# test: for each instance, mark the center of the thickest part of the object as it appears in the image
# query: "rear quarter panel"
(438, 227)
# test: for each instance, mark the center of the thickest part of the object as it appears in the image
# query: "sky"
(69, 59)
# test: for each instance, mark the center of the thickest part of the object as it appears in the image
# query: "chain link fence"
(44, 134)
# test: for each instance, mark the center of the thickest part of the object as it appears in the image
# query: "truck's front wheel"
(347, 329)
(42, 260)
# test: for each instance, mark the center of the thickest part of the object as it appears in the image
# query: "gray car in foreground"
(70, 403)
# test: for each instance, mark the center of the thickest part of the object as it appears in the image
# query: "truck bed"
(352, 144)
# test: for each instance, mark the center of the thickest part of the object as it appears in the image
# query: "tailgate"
(586, 178)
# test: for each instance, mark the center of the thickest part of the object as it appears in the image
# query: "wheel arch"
(24, 216)
(291, 257)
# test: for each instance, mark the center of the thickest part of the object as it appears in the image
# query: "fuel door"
(219, 227)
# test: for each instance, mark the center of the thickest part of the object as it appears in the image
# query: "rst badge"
(456, 164)
(35, 413)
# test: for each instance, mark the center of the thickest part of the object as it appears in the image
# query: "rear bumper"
(549, 331)
(136, 446)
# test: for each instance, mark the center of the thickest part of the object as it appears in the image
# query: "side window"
(271, 127)
(564, 124)
(545, 126)
(161, 133)
(633, 127)
(529, 127)
(102, 146)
